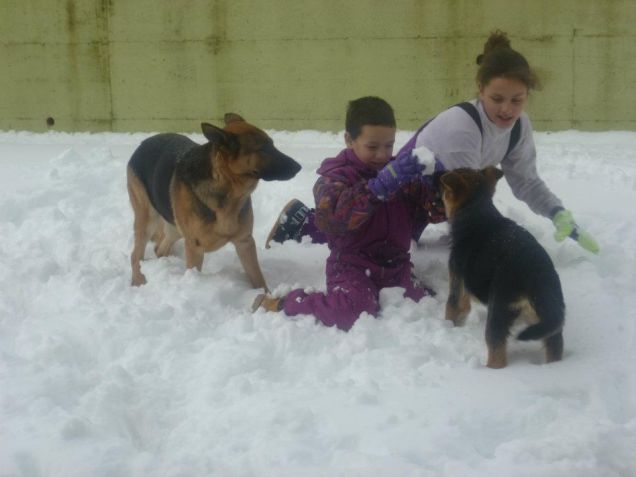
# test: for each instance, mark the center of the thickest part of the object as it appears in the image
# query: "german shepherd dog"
(202, 193)
(502, 265)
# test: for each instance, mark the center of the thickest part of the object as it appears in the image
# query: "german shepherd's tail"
(540, 331)
(547, 301)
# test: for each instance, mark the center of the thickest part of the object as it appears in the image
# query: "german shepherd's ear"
(452, 182)
(220, 138)
(454, 188)
(492, 175)
(213, 134)
(232, 118)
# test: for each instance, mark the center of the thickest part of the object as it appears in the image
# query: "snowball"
(426, 158)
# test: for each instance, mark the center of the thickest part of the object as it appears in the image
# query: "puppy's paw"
(138, 280)
(497, 358)
(458, 319)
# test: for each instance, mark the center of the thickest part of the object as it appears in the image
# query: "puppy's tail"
(540, 331)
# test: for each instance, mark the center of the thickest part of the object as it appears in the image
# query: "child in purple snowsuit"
(366, 203)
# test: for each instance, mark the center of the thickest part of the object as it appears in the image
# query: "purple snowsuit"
(369, 241)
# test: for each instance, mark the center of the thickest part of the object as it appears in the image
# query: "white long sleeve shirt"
(456, 141)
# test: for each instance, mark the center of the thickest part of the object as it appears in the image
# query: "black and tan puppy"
(502, 265)
(202, 193)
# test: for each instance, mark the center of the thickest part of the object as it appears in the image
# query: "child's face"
(503, 100)
(374, 145)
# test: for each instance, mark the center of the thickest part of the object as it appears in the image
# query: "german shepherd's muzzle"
(179, 188)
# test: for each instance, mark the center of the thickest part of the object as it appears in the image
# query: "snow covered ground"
(178, 378)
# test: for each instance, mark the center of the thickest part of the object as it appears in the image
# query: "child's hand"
(567, 227)
(399, 171)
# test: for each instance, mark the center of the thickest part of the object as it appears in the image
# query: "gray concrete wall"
(146, 65)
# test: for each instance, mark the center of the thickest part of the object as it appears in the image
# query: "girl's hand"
(567, 227)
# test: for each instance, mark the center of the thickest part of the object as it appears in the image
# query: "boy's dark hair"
(500, 60)
(368, 111)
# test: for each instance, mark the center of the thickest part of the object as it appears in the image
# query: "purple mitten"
(399, 171)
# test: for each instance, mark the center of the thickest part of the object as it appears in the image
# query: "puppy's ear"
(492, 175)
(451, 181)
(232, 118)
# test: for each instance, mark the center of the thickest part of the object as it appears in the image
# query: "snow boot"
(289, 224)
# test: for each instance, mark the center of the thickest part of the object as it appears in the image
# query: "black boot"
(289, 224)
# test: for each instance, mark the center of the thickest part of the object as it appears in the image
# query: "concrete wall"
(147, 65)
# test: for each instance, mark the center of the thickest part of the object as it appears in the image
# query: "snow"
(425, 157)
(179, 378)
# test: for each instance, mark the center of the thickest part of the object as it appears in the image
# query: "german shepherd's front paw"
(457, 315)
(458, 303)
(267, 303)
(138, 280)
(457, 321)
(496, 365)
(497, 357)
